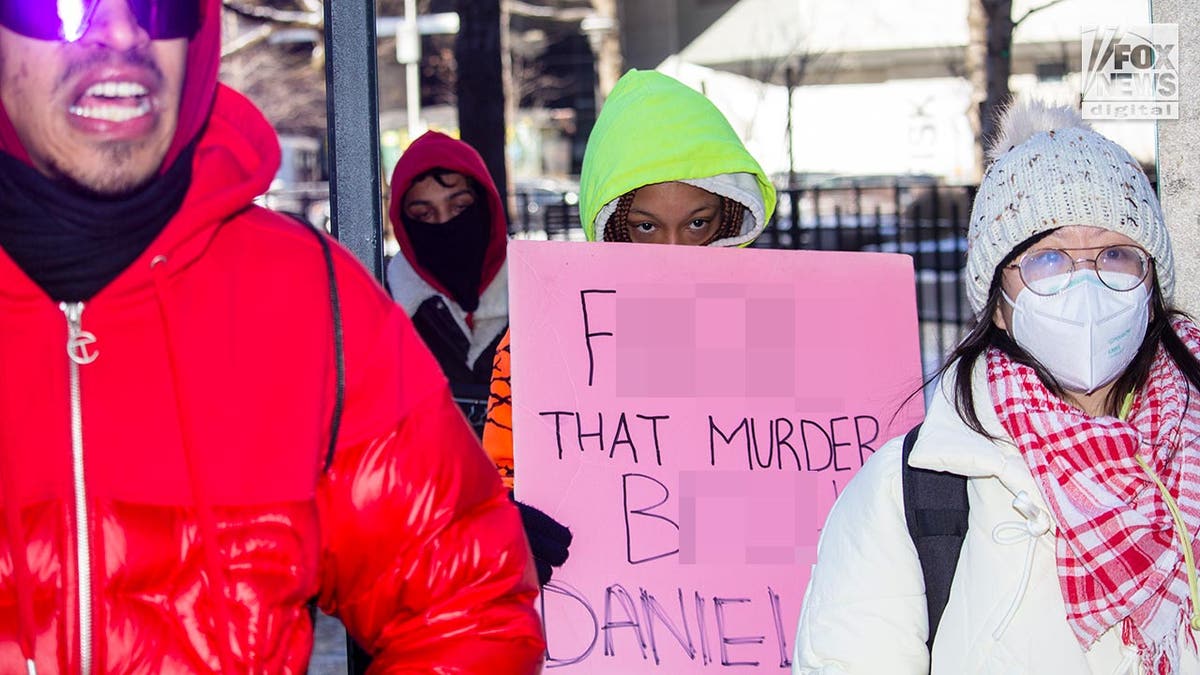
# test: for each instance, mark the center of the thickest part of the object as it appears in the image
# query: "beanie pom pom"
(1022, 121)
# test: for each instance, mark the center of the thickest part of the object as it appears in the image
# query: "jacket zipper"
(80, 352)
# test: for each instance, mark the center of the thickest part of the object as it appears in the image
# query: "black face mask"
(74, 244)
(453, 251)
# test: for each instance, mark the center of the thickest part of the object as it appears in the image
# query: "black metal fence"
(918, 217)
(545, 214)
(923, 219)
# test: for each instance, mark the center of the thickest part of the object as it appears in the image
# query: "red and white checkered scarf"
(1119, 558)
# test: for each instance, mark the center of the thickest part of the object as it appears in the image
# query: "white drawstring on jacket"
(1129, 661)
(1036, 524)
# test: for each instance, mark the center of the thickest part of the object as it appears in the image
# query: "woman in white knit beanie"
(1072, 409)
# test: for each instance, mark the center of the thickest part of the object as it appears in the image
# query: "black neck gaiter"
(73, 244)
(453, 251)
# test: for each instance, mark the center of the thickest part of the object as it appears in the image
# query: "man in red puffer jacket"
(168, 385)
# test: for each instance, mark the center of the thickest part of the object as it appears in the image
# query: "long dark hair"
(984, 334)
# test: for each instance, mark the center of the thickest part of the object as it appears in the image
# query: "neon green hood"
(655, 129)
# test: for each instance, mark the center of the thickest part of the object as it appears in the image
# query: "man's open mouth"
(113, 101)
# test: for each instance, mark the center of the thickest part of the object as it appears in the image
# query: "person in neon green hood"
(655, 130)
(662, 165)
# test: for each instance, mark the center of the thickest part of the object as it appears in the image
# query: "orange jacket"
(497, 432)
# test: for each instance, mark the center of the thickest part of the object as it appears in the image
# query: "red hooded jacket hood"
(435, 150)
(199, 89)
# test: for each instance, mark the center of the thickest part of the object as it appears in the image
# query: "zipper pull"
(79, 341)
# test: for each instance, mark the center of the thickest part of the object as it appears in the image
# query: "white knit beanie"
(1051, 170)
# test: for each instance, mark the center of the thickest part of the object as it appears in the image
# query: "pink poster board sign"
(691, 414)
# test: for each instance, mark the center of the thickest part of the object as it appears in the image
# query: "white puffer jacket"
(864, 612)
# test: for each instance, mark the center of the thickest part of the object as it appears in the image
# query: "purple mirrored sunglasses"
(68, 20)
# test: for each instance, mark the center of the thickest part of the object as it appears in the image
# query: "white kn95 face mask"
(1086, 334)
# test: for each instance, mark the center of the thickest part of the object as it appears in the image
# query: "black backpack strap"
(339, 355)
(335, 423)
(935, 508)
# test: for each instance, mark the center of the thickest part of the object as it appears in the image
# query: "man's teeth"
(116, 90)
(121, 94)
(112, 113)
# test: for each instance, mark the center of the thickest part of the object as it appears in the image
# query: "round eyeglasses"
(1048, 271)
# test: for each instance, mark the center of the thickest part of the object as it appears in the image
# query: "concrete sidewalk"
(329, 647)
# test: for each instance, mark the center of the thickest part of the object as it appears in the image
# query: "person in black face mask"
(450, 275)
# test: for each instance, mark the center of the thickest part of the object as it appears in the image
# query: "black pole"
(480, 85)
(350, 94)
(354, 187)
(790, 74)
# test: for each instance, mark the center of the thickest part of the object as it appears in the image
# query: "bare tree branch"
(246, 40)
(313, 6)
(285, 80)
(1033, 10)
(519, 8)
(309, 19)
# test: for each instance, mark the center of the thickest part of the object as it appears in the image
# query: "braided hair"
(732, 213)
(617, 226)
